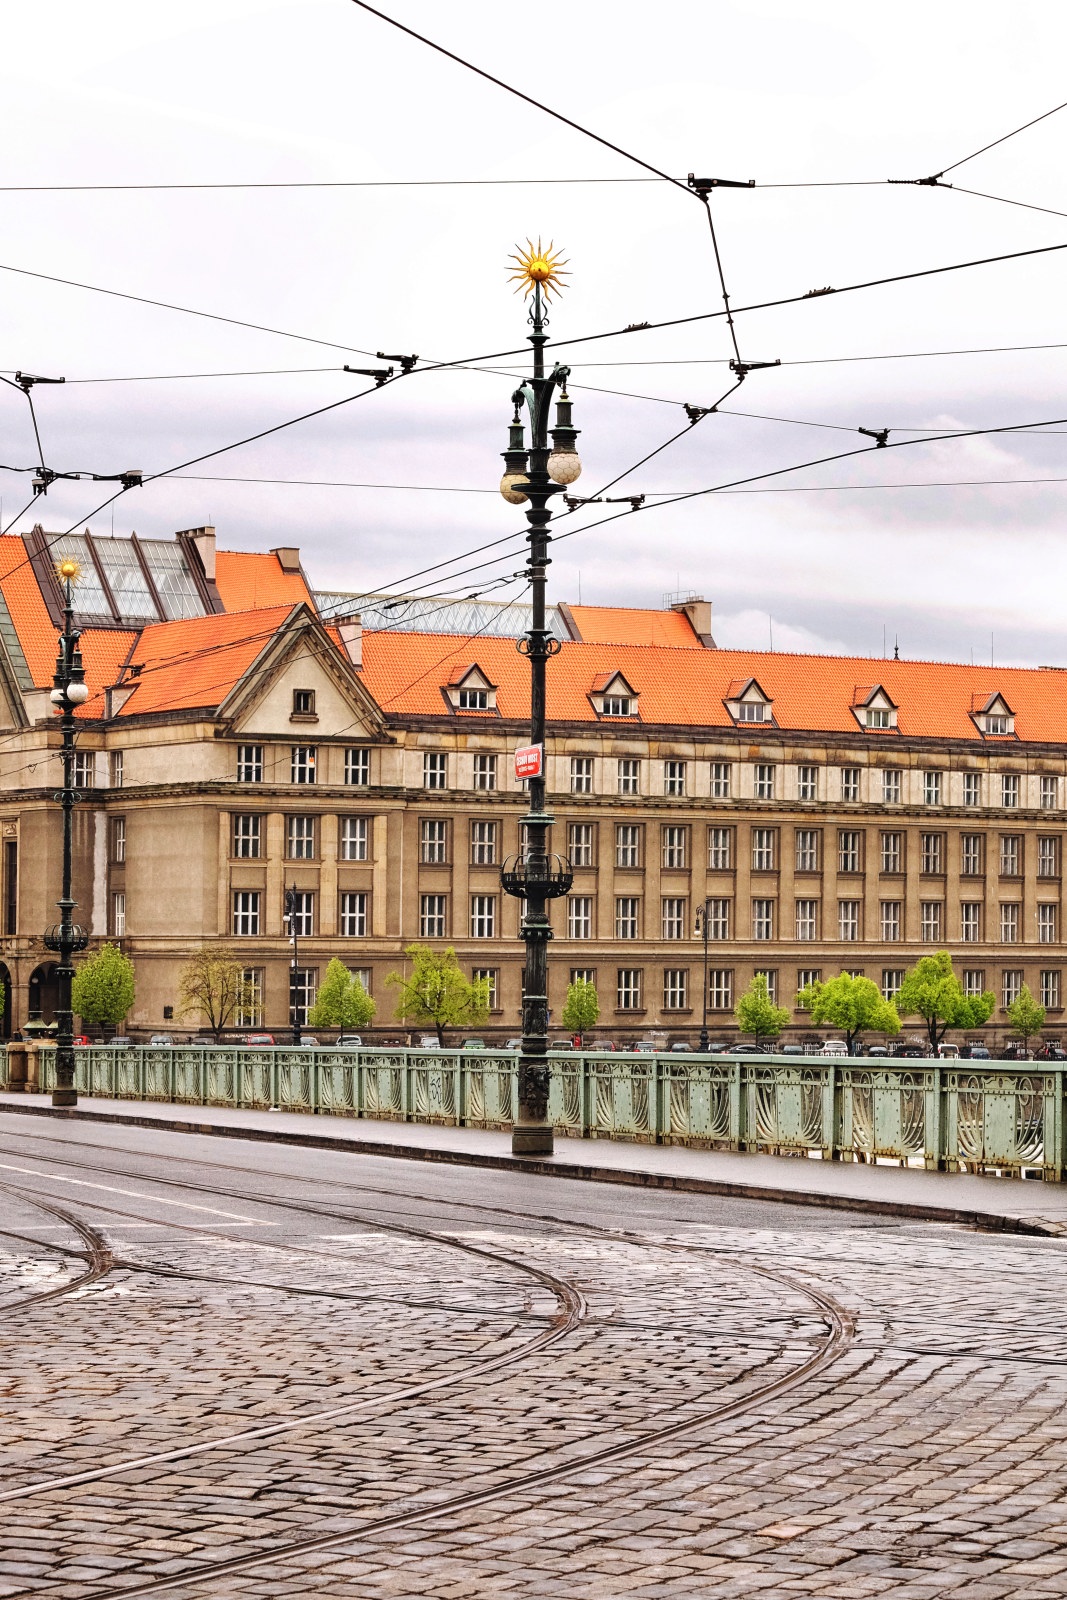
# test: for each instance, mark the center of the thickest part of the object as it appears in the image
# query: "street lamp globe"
(509, 488)
(564, 466)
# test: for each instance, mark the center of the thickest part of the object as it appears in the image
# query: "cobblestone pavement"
(317, 1344)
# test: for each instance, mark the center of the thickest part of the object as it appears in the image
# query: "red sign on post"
(529, 760)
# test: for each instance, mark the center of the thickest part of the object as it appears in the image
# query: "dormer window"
(879, 717)
(996, 724)
(746, 701)
(873, 709)
(468, 689)
(617, 705)
(992, 716)
(612, 696)
(753, 711)
(473, 700)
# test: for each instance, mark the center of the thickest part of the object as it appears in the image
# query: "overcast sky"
(837, 557)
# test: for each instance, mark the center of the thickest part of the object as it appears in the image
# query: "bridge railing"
(998, 1117)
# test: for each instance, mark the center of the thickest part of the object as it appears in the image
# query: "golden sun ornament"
(68, 568)
(538, 266)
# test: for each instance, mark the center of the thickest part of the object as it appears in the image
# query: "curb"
(986, 1221)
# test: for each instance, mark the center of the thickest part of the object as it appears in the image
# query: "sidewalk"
(1004, 1204)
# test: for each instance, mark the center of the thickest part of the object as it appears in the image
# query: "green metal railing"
(992, 1116)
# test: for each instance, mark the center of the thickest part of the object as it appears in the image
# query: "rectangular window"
(720, 849)
(581, 774)
(807, 849)
(490, 976)
(806, 976)
(1048, 858)
(973, 983)
(933, 855)
(485, 772)
(302, 761)
(1009, 790)
(763, 919)
(891, 852)
(116, 769)
(303, 702)
(849, 846)
(627, 917)
(583, 975)
(627, 845)
(483, 844)
(1046, 924)
(434, 769)
(720, 989)
(364, 974)
(889, 921)
(357, 767)
(772, 985)
(1009, 922)
(807, 783)
(473, 700)
(763, 849)
(848, 920)
(354, 838)
(247, 837)
(674, 918)
(617, 705)
(303, 986)
(752, 711)
(629, 776)
(850, 783)
(970, 855)
(433, 841)
(807, 919)
(971, 921)
(353, 915)
(717, 913)
(676, 989)
(580, 916)
(892, 982)
(118, 840)
(1050, 793)
(300, 838)
(1012, 983)
(720, 780)
(118, 915)
(82, 775)
(972, 788)
(245, 924)
(249, 763)
(764, 783)
(1010, 855)
(301, 918)
(1050, 990)
(879, 717)
(891, 787)
(628, 988)
(930, 921)
(580, 844)
(249, 1010)
(483, 916)
(931, 788)
(433, 916)
(675, 847)
(11, 885)
(674, 777)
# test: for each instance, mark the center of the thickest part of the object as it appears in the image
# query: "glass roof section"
(173, 580)
(399, 613)
(129, 582)
(90, 599)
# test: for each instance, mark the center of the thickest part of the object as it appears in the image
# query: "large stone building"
(825, 813)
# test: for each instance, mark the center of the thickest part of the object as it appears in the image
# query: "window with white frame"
(1009, 922)
(118, 914)
(354, 838)
(82, 773)
(889, 921)
(892, 982)
(891, 852)
(1048, 854)
(879, 717)
(303, 987)
(676, 989)
(764, 781)
(580, 916)
(1010, 855)
(720, 989)
(249, 1009)
(357, 767)
(971, 921)
(931, 788)
(763, 919)
(433, 916)
(484, 771)
(772, 984)
(618, 705)
(673, 918)
(628, 988)
(583, 975)
(1011, 986)
(627, 916)
(807, 919)
(807, 783)
(302, 763)
(763, 849)
(807, 849)
(972, 788)
(806, 976)
(490, 976)
(717, 912)
(753, 711)
(674, 777)
(118, 840)
(353, 915)
(1009, 790)
(115, 769)
(1049, 793)
(971, 855)
(973, 983)
(720, 849)
(890, 786)
(300, 838)
(245, 913)
(848, 920)
(301, 918)
(249, 763)
(720, 780)
(247, 837)
(483, 844)
(580, 844)
(472, 699)
(629, 776)
(1047, 922)
(675, 845)
(483, 916)
(581, 774)
(364, 974)
(435, 769)
(849, 851)
(850, 783)
(1050, 990)
(931, 921)
(433, 841)
(933, 854)
(627, 845)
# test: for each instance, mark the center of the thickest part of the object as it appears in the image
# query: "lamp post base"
(64, 1097)
(531, 1139)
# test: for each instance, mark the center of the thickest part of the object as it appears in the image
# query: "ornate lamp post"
(69, 690)
(702, 927)
(290, 917)
(531, 478)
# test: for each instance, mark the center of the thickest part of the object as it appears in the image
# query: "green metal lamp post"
(532, 477)
(702, 927)
(290, 918)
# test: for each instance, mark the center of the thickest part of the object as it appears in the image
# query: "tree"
(855, 1005)
(756, 1012)
(437, 993)
(582, 1007)
(931, 990)
(1026, 1016)
(342, 1002)
(103, 987)
(213, 983)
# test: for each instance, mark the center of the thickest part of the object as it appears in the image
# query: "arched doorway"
(43, 993)
(5, 1014)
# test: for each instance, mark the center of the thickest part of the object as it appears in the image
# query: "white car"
(834, 1047)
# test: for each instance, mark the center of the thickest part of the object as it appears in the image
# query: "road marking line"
(136, 1194)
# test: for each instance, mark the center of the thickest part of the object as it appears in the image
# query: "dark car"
(791, 1050)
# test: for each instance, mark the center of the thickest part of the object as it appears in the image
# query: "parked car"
(948, 1052)
(203, 1040)
(880, 1050)
(428, 1041)
(791, 1050)
(744, 1050)
(1014, 1052)
(909, 1050)
(679, 1047)
(644, 1047)
(256, 1040)
(556, 1045)
(81, 1040)
(121, 1041)
(1050, 1052)
(975, 1052)
(473, 1044)
(512, 1044)
(350, 1041)
(834, 1047)
(161, 1039)
(602, 1044)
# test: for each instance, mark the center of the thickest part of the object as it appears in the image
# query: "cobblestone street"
(256, 1371)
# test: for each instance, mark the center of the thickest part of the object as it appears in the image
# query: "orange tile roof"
(629, 625)
(404, 672)
(35, 628)
(248, 580)
(197, 662)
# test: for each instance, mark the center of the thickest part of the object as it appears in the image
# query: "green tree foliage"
(437, 994)
(342, 1002)
(855, 1005)
(756, 1012)
(1027, 1018)
(582, 1007)
(103, 987)
(212, 983)
(931, 990)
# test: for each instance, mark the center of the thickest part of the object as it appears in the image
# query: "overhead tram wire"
(1003, 139)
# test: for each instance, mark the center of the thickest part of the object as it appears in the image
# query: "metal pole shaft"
(64, 1093)
(704, 1011)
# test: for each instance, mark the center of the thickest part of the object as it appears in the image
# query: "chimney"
(351, 630)
(698, 611)
(288, 558)
(203, 540)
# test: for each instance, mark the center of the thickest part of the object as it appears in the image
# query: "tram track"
(97, 1253)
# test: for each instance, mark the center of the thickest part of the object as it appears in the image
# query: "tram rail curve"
(97, 1253)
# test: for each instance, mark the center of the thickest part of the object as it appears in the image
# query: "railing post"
(934, 1121)
(655, 1090)
(1054, 1157)
(831, 1113)
(738, 1107)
